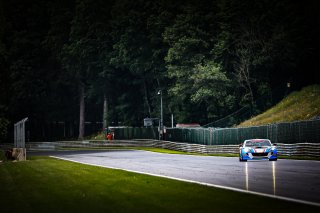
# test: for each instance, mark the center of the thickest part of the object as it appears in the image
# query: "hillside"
(298, 105)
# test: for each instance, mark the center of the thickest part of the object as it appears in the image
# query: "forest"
(79, 63)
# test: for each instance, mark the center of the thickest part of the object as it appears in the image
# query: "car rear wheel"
(275, 159)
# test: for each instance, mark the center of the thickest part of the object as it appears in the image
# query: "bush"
(3, 128)
(2, 156)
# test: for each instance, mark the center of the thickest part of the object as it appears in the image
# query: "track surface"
(293, 179)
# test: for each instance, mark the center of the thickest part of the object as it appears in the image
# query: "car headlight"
(247, 149)
(273, 148)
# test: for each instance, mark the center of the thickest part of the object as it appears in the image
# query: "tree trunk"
(147, 97)
(105, 112)
(82, 112)
(243, 74)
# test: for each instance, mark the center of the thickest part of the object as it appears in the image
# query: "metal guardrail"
(86, 144)
(185, 147)
(298, 149)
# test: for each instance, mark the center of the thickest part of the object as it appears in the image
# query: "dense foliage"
(66, 62)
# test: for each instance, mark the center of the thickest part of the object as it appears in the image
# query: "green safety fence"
(288, 133)
(135, 133)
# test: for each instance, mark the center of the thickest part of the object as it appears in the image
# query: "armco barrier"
(94, 144)
(299, 149)
(184, 147)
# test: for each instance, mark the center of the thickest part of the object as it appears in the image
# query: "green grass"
(151, 149)
(2, 156)
(168, 151)
(49, 185)
(299, 105)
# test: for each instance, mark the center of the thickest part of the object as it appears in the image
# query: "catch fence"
(286, 133)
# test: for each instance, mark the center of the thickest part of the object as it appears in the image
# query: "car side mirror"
(274, 144)
(240, 145)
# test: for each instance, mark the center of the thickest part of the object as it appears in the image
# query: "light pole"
(161, 114)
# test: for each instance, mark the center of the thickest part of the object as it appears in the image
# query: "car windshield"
(258, 143)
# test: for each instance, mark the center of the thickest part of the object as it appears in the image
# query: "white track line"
(197, 182)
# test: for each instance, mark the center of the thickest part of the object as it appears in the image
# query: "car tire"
(241, 160)
(273, 159)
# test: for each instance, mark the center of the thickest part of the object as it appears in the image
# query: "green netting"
(135, 133)
(295, 132)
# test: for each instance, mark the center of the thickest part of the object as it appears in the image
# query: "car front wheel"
(241, 160)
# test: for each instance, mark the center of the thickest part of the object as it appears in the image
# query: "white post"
(171, 120)
(161, 115)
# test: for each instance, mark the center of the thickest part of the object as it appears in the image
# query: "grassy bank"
(49, 185)
(299, 105)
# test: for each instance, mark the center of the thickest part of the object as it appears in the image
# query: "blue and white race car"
(258, 149)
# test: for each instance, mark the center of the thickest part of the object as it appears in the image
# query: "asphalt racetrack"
(296, 180)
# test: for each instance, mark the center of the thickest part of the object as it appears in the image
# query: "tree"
(211, 87)
(253, 43)
(62, 98)
(139, 53)
(210, 58)
(26, 60)
(81, 53)
(190, 63)
(3, 78)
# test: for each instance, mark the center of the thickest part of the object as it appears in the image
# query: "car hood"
(255, 148)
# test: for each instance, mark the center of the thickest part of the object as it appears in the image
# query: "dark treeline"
(67, 62)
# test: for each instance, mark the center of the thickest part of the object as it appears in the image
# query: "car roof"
(257, 140)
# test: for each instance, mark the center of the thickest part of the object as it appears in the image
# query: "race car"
(258, 149)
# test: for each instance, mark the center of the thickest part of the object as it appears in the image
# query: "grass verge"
(168, 151)
(151, 149)
(2, 156)
(44, 184)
